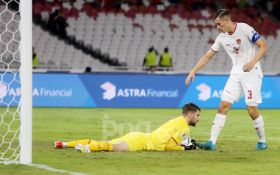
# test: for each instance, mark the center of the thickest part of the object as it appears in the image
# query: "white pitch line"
(48, 168)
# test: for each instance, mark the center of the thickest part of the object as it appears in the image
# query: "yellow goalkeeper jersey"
(169, 135)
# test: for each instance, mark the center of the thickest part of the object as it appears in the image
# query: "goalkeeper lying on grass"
(172, 135)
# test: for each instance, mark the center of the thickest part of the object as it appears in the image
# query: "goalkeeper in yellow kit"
(172, 135)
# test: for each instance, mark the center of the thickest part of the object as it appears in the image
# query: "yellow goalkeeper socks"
(100, 146)
(94, 145)
(72, 144)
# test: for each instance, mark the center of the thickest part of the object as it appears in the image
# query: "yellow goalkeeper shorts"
(137, 141)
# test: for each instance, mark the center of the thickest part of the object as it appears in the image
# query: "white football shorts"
(248, 84)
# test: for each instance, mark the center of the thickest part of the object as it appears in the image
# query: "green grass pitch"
(235, 152)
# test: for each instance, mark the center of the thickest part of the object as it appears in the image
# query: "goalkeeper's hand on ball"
(189, 144)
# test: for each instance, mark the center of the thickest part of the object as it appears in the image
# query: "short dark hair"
(151, 49)
(190, 107)
(221, 13)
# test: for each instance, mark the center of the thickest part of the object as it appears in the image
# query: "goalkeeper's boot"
(83, 148)
(261, 146)
(59, 145)
(208, 145)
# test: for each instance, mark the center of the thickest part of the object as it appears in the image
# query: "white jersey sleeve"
(249, 31)
(217, 45)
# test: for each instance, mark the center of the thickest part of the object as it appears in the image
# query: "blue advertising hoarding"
(128, 90)
(60, 90)
(136, 90)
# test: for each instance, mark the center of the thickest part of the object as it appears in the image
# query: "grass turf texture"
(235, 152)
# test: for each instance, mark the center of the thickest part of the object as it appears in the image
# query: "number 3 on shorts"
(249, 94)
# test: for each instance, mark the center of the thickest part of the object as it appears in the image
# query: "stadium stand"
(55, 54)
(10, 37)
(124, 32)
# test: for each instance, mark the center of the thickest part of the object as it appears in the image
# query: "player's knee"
(253, 111)
(224, 107)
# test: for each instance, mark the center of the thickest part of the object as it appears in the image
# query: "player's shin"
(259, 126)
(217, 126)
(100, 146)
(72, 144)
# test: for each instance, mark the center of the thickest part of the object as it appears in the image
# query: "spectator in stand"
(165, 59)
(150, 59)
(52, 21)
(57, 23)
(35, 59)
(61, 24)
(88, 69)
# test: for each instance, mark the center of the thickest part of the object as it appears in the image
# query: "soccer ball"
(189, 143)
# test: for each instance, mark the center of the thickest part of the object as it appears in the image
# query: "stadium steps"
(79, 44)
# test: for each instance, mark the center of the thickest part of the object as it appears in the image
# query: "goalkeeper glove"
(189, 145)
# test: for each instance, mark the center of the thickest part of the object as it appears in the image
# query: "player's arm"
(173, 145)
(200, 64)
(259, 55)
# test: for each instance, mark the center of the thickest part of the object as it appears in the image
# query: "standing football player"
(239, 40)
